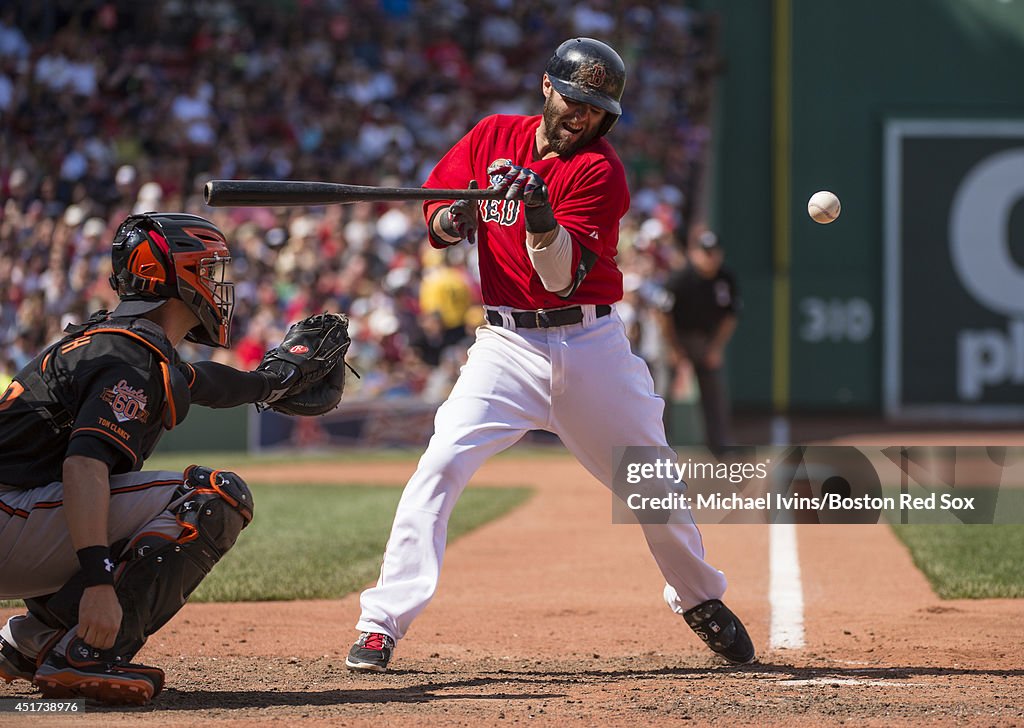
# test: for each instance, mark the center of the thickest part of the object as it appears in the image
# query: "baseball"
(823, 207)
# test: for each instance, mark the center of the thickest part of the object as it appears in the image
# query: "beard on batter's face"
(565, 132)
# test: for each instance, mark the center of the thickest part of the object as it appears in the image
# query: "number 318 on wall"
(835, 319)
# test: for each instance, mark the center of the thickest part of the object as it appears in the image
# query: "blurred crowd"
(109, 108)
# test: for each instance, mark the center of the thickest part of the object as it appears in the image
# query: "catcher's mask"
(590, 72)
(161, 255)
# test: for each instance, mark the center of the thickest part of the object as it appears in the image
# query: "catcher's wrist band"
(97, 566)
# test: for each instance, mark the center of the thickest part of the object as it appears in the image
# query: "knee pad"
(219, 508)
(159, 574)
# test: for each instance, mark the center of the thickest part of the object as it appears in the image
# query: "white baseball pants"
(580, 382)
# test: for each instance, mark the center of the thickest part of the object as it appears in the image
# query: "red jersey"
(587, 192)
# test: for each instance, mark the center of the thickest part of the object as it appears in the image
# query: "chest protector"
(48, 384)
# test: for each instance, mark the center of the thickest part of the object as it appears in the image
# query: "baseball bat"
(274, 193)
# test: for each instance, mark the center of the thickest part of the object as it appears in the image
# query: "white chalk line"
(785, 591)
(853, 682)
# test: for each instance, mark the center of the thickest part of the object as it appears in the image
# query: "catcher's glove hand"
(319, 398)
(306, 371)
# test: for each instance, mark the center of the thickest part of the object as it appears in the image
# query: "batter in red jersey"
(554, 355)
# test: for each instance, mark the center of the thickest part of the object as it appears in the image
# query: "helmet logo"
(299, 349)
(593, 75)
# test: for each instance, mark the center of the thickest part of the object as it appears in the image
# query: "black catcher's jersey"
(101, 394)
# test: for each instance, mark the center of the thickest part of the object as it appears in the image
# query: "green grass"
(968, 562)
(237, 460)
(325, 541)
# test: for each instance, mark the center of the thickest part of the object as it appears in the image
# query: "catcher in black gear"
(102, 552)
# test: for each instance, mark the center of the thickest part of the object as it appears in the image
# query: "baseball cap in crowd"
(74, 215)
(125, 175)
(276, 238)
(18, 178)
(708, 240)
(94, 227)
(148, 198)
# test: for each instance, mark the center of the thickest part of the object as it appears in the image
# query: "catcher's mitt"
(306, 370)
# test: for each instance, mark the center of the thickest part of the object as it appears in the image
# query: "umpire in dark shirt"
(699, 319)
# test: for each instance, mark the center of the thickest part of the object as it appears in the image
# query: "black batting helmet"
(161, 255)
(591, 72)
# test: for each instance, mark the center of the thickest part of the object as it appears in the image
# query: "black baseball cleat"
(722, 631)
(371, 653)
(14, 665)
(78, 674)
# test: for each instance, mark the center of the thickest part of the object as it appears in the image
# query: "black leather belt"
(546, 319)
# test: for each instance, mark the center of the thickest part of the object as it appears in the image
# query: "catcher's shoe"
(371, 653)
(14, 665)
(721, 630)
(78, 674)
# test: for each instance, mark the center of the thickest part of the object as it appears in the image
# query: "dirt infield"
(551, 615)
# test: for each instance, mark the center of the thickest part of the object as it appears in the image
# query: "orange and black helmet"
(161, 255)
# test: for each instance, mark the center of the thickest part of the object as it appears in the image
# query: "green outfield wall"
(209, 430)
(875, 312)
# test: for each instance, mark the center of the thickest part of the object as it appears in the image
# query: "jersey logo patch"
(127, 403)
(503, 212)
